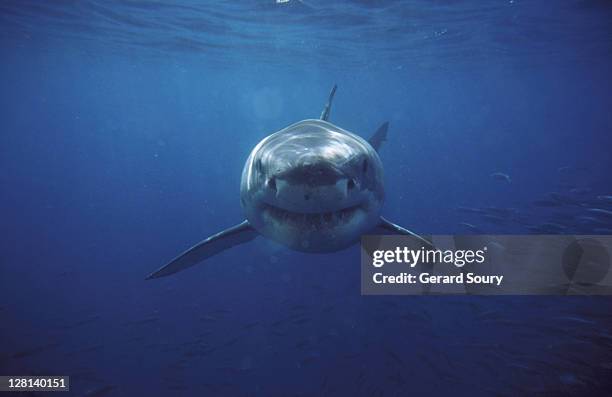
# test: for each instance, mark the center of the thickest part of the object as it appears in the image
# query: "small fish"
(179, 364)
(565, 169)
(177, 387)
(570, 379)
(580, 190)
(500, 176)
(566, 186)
(471, 227)
(85, 350)
(318, 288)
(360, 378)
(83, 322)
(501, 211)
(520, 366)
(307, 360)
(34, 351)
(600, 211)
(543, 229)
(493, 218)
(534, 228)
(137, 338)
(602, 230)
(231, 342)
(469, 210)
(198, 352)
(562, 198)
(301, 321)
(587, 219)
(546, 203)
(496, 245)
(251, 325)
(607, 199)
(552, 226)
(324, 383)
(302, 344)
(574, 319)
(102, 391)
(295, 316)
(147, 320)
(490, 315)
(397, 379)
(87, 375)
(395, 357)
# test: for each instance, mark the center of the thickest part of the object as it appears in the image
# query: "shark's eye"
(271, 183)
(364, 166)
(351, 184)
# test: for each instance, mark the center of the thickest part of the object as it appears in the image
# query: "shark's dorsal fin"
(327, 108)
(379, 136)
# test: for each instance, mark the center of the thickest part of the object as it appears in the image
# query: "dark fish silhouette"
(394, 357)
(251, 325)
(143, 321)
(83, 322)
(501, 211)
(99, 392)
(85, 350)
(561, 198)
(34, 351)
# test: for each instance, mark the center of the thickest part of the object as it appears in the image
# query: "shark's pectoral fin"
(214, 244)
(379, 136)
(386, 227)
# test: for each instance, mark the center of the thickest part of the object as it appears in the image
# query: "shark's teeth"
(313, 221)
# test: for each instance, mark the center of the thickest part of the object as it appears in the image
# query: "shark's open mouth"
(321, 220)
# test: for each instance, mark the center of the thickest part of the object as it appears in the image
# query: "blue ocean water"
(125, 127)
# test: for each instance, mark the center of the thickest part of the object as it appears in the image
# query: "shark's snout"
(312, 173)
(311, 188)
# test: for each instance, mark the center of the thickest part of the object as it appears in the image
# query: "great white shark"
(312, 186)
